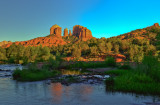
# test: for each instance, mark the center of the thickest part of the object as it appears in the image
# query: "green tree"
(2, 56)
(94, 51)
(12, 51)
(76, 52)
(131, 53)
(124, 45)
(116, 48)
(109, 46)
(158, 41)
(102, 47)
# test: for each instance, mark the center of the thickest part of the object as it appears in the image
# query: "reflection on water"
(78, 91)
(57, 92)
(39, 93)
(70, 72)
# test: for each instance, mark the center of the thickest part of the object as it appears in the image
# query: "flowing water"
(40, 93)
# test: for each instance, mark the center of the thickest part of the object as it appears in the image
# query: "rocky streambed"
(86, 79)
(67, 78)
(6, 70)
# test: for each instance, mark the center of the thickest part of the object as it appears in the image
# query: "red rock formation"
(4, 42)
(44, 41)
(70, 34)
(65, 32)
(156, 25)
(56, 30)
(82, 32)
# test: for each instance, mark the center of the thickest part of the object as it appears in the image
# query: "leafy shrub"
(33, 73)
(125, 66)
(131, 81)
(118, 72)
(110, 61)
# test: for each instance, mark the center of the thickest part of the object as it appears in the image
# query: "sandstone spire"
(156, 25)
(56, 30)
(82, 32)
(70, 34)
(65, 32)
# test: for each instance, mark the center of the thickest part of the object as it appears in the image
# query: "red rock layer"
(44, 41)
(82, 32)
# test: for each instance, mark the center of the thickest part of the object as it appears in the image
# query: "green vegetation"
(118, 72)
(144, 79)
(71, 72)
(34, 74)
(133, 45)
(23, 55)
(85, 65)
(109, 62)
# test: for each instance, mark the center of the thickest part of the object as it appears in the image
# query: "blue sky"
(27, 19)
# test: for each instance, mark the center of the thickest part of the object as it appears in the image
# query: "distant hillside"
(82, 46)
(4, 42)
(130, 46)
(55, 38)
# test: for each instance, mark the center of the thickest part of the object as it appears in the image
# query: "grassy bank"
(34, 74)
(145, 79)
(131, 81)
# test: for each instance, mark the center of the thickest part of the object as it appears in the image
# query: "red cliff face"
(65, 32)
(82, 32)
(56, 30)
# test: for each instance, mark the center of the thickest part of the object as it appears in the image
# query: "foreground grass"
(132, 81)
(30, 75)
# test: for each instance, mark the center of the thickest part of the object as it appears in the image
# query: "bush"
(131, 81)
(150, 66)
(118, 72)
(110, 61)
(53, 64)
(85, 65)
(33, 73)
(28, 75)
(125, 66)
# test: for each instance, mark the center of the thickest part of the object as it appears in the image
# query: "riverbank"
(131, 81)
(143, 78)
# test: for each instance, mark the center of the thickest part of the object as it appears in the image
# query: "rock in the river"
(48, 82)
(90, 81)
